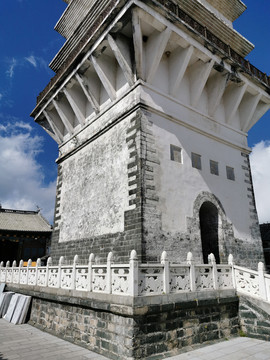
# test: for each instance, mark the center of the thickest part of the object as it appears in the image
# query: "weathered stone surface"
(254, 317)
(133, 327)
(126, 105)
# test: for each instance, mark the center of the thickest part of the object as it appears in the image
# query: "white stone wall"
(178, 185)
(94, 193)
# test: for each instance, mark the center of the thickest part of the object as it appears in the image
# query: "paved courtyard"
(241, 348)
(26, 342)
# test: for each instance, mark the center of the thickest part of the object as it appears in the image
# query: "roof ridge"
(18, 211)
(43, 218)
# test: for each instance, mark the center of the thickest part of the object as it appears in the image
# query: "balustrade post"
(192, 274)
(37, 265)
(90, 272)
(4, 271)
(231, 263)
(7, 266)
(109, 273)
(49, 263)
(73, 276)
(61, 262)
(212, 260)
(13, 266)
(262, 286)
(20, 270)
(133, 273)
(29, 263)
(1, 268)
(166, 272)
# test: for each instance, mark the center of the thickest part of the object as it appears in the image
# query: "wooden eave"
(231, 9)
(93, 26)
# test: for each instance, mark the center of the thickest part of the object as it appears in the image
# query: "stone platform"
(25, 342)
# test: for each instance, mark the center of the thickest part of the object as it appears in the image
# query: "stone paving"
(241, 348)
(25, 342)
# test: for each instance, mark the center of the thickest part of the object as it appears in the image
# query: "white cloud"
(260, 167)
(21, 180)
(32, 60)
(36, 61)
(12, 64)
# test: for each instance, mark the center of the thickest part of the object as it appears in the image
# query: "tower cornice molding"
(199, 77)
(206, 38)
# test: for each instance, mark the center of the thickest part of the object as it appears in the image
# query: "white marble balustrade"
(138, 279)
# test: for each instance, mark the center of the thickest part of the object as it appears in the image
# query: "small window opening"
(230, 173)
(176, 154)
(196, 161)
(214, 167)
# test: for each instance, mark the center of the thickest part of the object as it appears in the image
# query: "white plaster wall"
(179, 185)
(94, 192)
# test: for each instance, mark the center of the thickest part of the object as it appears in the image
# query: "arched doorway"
(209, 230)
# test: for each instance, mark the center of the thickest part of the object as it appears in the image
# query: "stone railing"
(137, 279)
(252, 283)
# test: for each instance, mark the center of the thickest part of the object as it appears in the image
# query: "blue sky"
(28, 42)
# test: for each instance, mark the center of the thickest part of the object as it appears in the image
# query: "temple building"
(156, 244)
(151, 105)
(24, 235)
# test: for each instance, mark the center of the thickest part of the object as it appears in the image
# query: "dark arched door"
(209, 230)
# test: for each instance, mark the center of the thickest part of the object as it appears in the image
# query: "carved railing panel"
(41, 276)
(99, 282)
(81, 278)
(179, 278)
(23, 276)
(31, 276)
(16, 276)
(204, 277)
(3, 275)
(247, 281)
(53, 277)
(224, 277)
(120, 279)
(66, 278)
(9, 275)
(150, 280)
(136, 279)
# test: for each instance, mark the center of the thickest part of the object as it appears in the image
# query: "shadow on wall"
(2, 357)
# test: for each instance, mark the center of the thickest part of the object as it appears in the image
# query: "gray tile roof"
(17, 220)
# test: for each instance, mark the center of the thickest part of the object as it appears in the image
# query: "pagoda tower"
(150, 106)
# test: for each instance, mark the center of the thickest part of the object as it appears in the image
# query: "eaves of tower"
(104, 11)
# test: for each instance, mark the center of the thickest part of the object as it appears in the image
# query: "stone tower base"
(122, 327)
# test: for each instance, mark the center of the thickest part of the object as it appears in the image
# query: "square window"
(176, 154)
(196, 161)
(230, 173)
(214, 167)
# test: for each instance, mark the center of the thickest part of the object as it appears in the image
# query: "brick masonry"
(178, 244)
(254, 318)
(170, 328)
(143, 218)
(121, 243)
(103, 332)
(140, 329)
